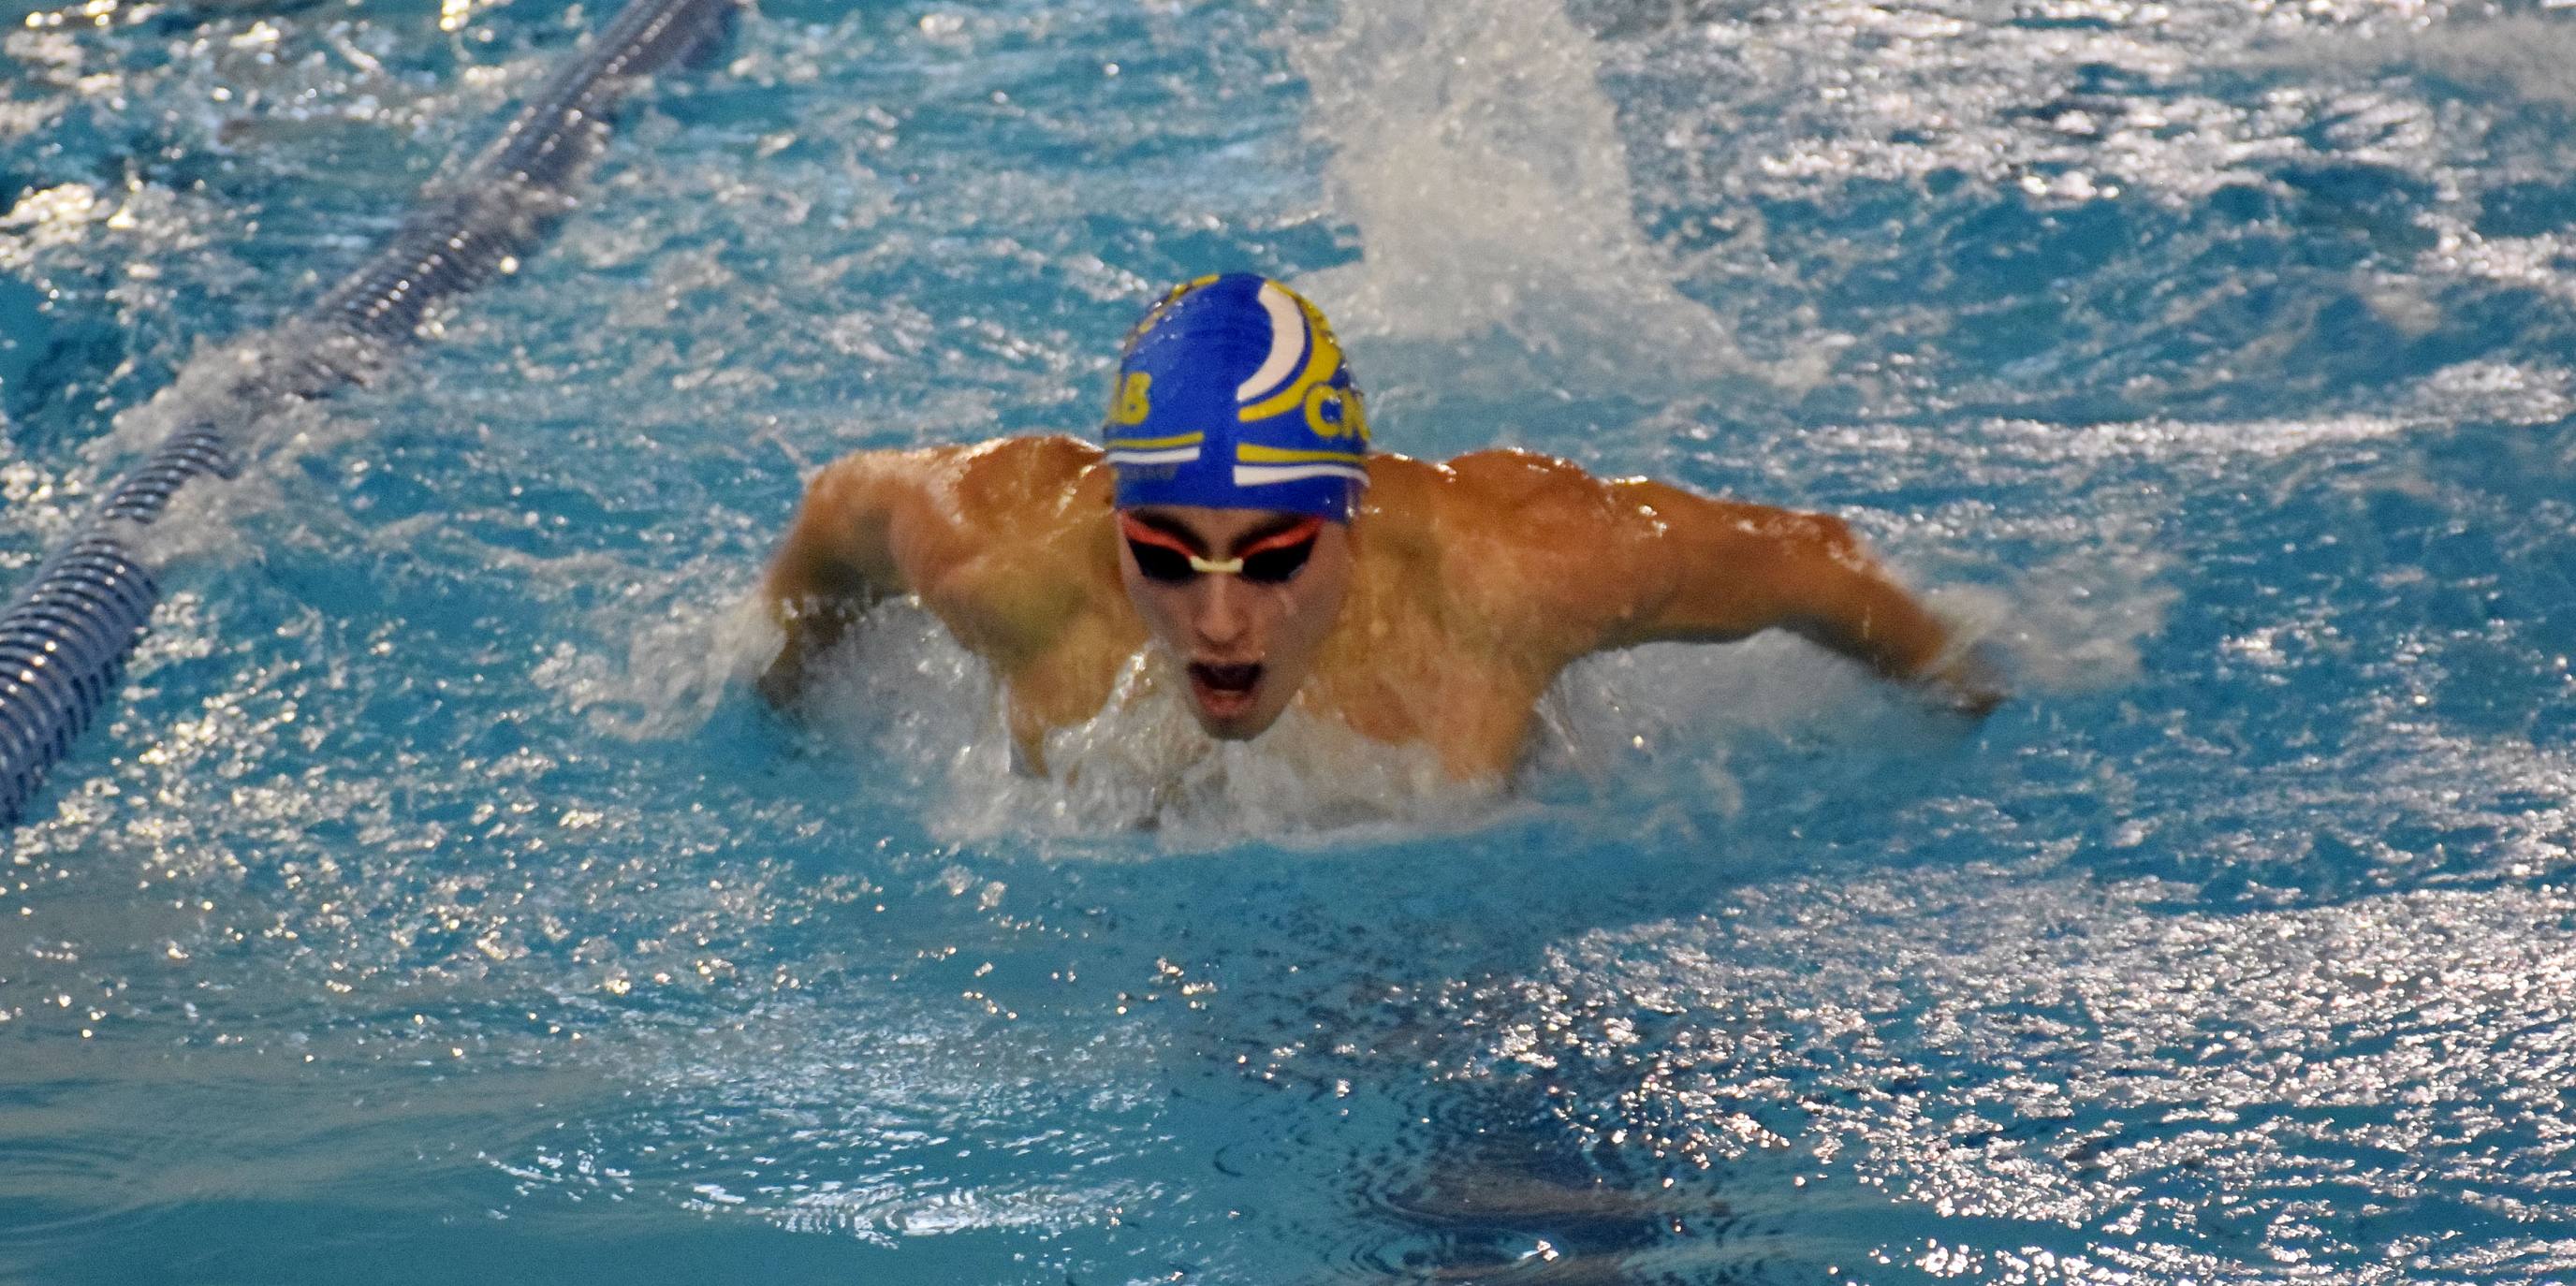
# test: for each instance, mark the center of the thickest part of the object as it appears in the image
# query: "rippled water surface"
(435, 905)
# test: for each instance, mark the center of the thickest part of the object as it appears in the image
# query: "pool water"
(436, 904)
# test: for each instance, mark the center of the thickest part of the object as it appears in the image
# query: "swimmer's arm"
(1715, 571)
(999, 540)
(839, 556)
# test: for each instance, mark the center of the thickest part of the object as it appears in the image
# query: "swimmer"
(1235, 518)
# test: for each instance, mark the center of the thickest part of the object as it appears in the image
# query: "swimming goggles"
(1274, 559)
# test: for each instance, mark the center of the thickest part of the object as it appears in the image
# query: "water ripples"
(2154, 1087)
(435, 867)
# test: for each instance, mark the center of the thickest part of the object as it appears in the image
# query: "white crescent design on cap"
(1287, 344)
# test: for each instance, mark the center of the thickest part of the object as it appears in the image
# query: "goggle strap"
(1292, 536)
(1285, 538)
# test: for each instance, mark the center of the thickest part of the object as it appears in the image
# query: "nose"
(1222, 616)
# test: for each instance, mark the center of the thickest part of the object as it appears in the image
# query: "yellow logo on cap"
(1133, 402)
(1336, 413)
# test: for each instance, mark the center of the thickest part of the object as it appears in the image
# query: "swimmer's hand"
(800, 631)
(1969, 682)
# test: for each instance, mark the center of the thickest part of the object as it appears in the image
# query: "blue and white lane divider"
(65, 637)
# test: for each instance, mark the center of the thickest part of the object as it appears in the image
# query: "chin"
(1240, 727)
(1244, 721)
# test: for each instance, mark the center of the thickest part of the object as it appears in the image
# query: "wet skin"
(1438, 615)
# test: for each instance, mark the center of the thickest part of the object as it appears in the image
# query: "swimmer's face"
(1246, 638)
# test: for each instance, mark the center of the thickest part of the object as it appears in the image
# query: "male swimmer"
(1236, 520)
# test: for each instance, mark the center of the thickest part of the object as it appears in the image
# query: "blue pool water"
(436, 906)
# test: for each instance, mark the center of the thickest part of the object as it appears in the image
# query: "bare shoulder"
(1572, 561)
(938, 501)
(1494, 491)
(1504, 544)
(1526, 483)
(974, 483)
(991, 537)
(1005, 540)
(1539, 518)
(1028, 470)
(1555, 499)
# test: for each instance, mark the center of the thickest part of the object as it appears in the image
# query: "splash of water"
(687, 651)
(925, 712)
(1482, 165)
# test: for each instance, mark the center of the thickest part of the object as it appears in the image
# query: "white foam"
(687, 652)
(2525, 55)
(922, 717)
(918, 720)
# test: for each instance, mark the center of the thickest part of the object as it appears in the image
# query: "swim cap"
(1232, 394)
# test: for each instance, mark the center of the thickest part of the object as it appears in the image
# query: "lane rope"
(65, 637)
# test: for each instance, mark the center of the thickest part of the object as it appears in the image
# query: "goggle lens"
(1274, 559)
(1161, 563)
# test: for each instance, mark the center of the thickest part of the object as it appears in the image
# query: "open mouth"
(1224, 690)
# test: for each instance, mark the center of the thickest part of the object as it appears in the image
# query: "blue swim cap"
(1232, 394)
